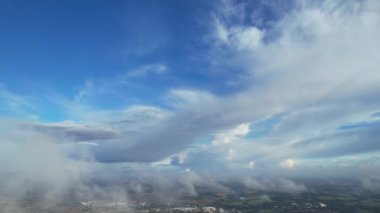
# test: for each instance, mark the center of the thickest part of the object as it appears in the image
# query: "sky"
(253, 88)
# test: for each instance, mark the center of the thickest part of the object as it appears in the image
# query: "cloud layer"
(309, 83)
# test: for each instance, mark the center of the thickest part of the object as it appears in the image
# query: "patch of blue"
(359, 125)
(264, 127)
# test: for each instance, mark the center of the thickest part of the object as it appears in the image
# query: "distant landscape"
(321, 196)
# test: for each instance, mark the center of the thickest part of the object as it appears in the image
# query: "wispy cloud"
(12, 104)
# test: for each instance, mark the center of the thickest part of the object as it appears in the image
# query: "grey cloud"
(371, 183)
(78, 132)
(279, 185)
(342, 143)
(28, 159)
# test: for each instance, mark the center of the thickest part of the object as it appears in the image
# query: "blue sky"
(60, 45)
(245, 86)
(57, 47)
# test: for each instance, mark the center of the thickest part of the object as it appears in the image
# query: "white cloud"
(13, 104)
(251, 164)
(239, 37)
(110, 87)
(288, 164)
(221, 32)
(231, 135)
(150, 69)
